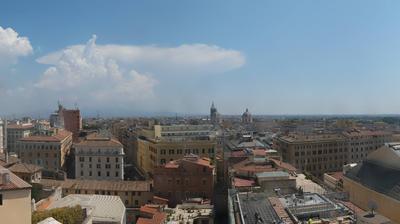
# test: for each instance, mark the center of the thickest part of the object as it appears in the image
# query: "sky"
(126, 58)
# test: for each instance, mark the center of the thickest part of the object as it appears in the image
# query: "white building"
(99, 158)
(99, 208)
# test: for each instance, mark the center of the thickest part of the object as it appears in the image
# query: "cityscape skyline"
(297, 58)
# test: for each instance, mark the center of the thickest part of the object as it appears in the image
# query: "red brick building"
(180, 180)
(72, 122)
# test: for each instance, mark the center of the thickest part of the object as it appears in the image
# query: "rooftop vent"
(4, 177)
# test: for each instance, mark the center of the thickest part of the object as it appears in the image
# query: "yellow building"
(376, 182)
(162, 144)
(15, 198)
(47, 151)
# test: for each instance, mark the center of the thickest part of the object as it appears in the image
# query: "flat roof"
(255, 205)
(272, 174)
(103, 208)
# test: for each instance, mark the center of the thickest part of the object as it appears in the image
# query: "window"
(116, 174)
(108, 173)
(98, 173)
(81, 173)
(81, 159)
(117, 166)
(116, 160)
(1, 199)
(162, 161)
(136, 202)
(90, 159)
(108, 159)
(98, 166)
(90, 173)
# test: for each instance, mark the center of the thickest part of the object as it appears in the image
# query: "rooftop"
(256, 206)
(19, 126)
(24, 168)
(102, 208)
(101, 185)
(60, 136)
(96, 141)
(14, 182)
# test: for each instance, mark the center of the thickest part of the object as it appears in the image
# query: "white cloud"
(121, 74)
(88, 73)
(184, 59)
(13, 46)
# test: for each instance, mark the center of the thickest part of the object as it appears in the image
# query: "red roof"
(239, 182)
(336, 175)
(154, 211)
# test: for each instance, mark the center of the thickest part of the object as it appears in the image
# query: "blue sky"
(274, 57)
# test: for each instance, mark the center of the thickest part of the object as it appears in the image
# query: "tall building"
(99, 158)
(68, 119)
(16, 132)
(180, 180)
(246, 117)
(72, 122)
(214, 115)
(375, 183)
(164, 143)
(47, 151)
(15, 198)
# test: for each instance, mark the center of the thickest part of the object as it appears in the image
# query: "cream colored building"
(162, 144)
(324, 153)
(316, 154)
(99, 158)
(15, 198)
(361, 143)
(376, 181)
(16, 132)
(132, 193)
(47, 151)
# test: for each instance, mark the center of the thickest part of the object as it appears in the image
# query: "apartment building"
(16, 132)
(316, 154)
(189, 177)
(132, 193)
(48, 151)
(164, 143)
(361, 143)
(324, 153)
(15, 198)
(99, 158)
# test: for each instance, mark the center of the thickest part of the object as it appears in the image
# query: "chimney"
(4, 177)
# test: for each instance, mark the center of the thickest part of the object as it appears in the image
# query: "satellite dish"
(373, 206)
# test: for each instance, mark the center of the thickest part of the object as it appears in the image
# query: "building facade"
(47, 151)
(162, 144)
(180, 180)
(16, 132)
(72, 122)
(99, 158)
(322, 153)
(15, 198)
